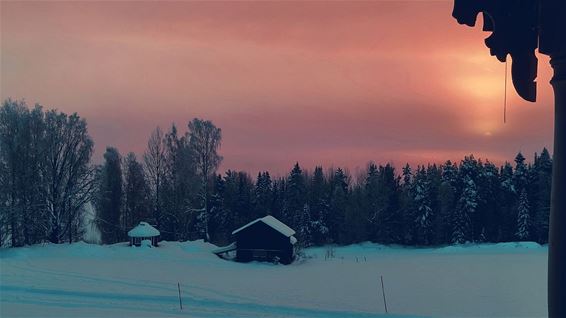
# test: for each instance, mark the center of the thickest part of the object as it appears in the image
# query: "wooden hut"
(142, 232)
(265, 239)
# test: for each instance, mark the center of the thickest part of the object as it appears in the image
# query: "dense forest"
(49, 186)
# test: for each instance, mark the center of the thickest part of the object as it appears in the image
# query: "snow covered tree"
(466, 207)
(523, 219)
(422, 199)
(408, 208)
(295, 197)
(304, 227)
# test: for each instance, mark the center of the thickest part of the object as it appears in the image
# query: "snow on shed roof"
(272, 222)
(293, 240)
(143, 230)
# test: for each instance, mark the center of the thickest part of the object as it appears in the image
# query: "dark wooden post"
(557, 231)
(519, 27)
(552, 41)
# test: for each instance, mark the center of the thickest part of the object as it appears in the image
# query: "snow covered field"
(82, 280)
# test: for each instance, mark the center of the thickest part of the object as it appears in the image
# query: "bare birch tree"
(154, 164)
(205, 140)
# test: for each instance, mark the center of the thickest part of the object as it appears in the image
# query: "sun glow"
(482, 87)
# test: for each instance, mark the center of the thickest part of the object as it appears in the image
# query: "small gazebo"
(142, 232)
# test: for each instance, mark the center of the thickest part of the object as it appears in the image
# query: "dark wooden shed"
(265, 239)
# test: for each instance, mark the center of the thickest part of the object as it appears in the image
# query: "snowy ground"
(82, 280)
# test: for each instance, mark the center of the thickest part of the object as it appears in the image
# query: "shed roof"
(143, 230)
(271, 222)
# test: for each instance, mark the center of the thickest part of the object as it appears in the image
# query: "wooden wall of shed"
(260, 236)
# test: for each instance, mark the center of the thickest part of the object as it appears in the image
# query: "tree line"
(47, 180)
(473, 201)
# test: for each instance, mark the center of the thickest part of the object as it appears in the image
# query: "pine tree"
(447, 197)
(520, 175)
(488, 189)
(507, 202)
(467, 205)
(434, 179)
(220, 221)
(338, 206)
(372, 199)
(408, 208)
(304, 227)
(543, 170)
(263, 194)
(382, 186)
(471, 168)
(319, 207)
(422, 199)
(523, 219)
(295, 197)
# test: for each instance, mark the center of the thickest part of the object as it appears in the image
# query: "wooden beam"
(557, 230)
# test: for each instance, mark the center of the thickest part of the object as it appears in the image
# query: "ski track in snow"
(82, 280)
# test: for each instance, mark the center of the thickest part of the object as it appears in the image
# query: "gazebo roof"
(143, 230)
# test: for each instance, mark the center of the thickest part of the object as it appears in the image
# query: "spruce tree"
(295, 197)
(263, 194)
(408, 210)
(523, 219)
(520, 175)
(467, 205)
(543, 170)
(447, 197)
(338, 206)
(319, 207)
(219, 222)
(422, 199)
(388, 217)
(372, 200)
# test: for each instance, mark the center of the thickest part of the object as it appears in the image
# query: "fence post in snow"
(180, 302)
(383, 291)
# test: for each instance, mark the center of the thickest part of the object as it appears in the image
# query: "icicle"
(505, 96)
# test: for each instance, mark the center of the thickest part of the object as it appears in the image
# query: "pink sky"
(333, 83)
